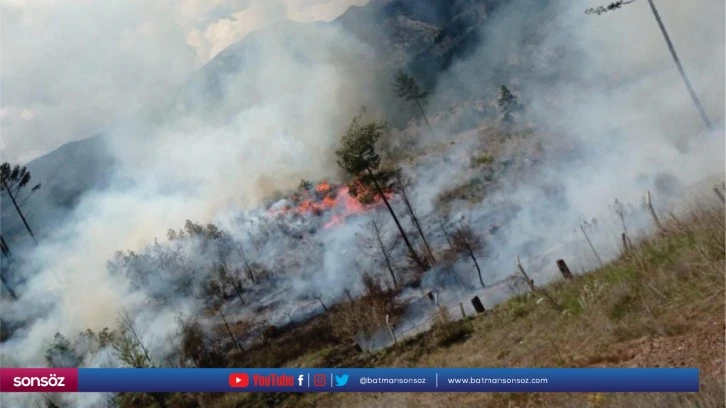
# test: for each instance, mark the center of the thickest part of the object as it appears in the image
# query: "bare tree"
(248, 267)
(401, 184)
(232, 280)
(372, 246)
(215, 290)
(464, 240)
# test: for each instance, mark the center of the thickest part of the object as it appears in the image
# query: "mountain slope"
(429, 34)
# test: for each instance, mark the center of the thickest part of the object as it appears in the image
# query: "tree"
(12, 182)
(406, 88)
(697, 102)
(214, 290)
(357, 156)
(509, 104)
(130, 349)
(372, 247)
(401, 184)
(464, 240)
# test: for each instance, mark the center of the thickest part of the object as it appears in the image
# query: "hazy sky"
(69, 68)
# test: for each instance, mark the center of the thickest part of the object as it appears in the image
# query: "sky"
(69, 69)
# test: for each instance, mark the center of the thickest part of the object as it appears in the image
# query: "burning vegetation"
(339, 201)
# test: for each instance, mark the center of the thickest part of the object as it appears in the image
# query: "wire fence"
(435, 311)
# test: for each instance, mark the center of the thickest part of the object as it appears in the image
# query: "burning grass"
(340, 201)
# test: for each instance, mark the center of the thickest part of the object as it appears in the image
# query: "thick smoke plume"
(611, 120)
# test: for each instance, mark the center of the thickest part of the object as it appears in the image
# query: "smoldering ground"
(612, 116)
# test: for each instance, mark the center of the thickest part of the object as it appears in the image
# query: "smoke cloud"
(70, 69)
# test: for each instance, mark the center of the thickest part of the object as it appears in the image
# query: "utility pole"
(677, 60)
(619, 4)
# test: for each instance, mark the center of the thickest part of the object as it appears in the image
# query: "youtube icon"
(240, 380)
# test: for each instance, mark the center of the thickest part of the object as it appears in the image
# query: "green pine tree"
(406, 88)
(357, 156)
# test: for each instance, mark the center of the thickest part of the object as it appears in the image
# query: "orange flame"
(326, 198)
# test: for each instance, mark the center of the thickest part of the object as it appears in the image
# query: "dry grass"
(661, 305)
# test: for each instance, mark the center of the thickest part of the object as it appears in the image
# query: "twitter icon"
(341, 380)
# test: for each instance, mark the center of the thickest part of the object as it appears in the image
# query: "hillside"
(659, 305)
(395, 30)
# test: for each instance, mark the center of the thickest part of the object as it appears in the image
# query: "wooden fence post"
(530, 282)
(582, 228)
(624, 238)
(390, 330)
(478, 305)
(463, 313)
(652, 213)
(718, 192)
(564, 269)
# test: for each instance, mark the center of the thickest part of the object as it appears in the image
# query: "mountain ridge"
(402, 32)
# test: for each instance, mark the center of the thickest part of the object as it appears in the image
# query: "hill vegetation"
(658, 305)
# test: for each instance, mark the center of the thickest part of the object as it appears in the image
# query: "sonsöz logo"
(50, 381)
(38, 379)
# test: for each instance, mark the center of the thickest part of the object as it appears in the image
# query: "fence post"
(478, 305)
(390, 330)
(652, 213)
(720, 195)
(463, 313)
(624, 238)
(564, 269)
(544, 292)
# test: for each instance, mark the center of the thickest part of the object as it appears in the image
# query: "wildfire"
(326, 198)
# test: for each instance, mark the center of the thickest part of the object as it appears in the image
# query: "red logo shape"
(38, 380)
(319, 380)
(239, 380)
